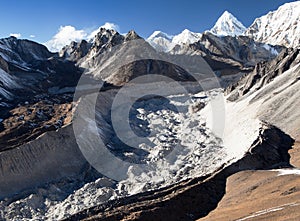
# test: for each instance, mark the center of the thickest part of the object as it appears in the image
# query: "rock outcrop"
(264, 73)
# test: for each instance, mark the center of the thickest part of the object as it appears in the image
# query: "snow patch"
(269, 210)
(283, 172)
(271, 49)
(161, 41)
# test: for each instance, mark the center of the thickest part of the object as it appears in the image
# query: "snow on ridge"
(279, 27)
(271, 49)
(287, 171)
(7, 80)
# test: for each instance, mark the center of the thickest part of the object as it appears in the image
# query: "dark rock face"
(23, 50)
(75, 50)
(30, 77)
(229, 54)
(34, 68)
(149, 67)
(105, 39)
(264, 73)
(193, 199)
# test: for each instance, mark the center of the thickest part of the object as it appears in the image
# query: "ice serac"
(280, 27)
(227, 24)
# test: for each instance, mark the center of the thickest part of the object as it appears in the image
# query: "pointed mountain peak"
(186, 37)
(132, 35)
(227, 24)
(159, 34)
(161, 41)
(186, 31)
(226, 14)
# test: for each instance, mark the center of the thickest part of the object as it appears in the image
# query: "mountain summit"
(227, 24)
(280, 27)
(164, 42)
(186, 37)
(161, 41)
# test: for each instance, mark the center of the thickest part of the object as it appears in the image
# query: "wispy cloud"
(17, 35)
(67, 34)
(32, 36)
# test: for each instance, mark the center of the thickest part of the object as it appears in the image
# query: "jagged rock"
(264, 73)
(26, 51)
(229, 53)
(75, 51)
(28, 69)
(132, 35)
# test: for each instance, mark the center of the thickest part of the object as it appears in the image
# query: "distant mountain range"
(280, 27)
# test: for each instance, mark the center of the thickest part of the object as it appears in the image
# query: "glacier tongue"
(199, 152)
(228, 25)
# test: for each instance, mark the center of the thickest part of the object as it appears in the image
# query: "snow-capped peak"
(161, 41)
(186, 37)
(165, 42)
(227, 24)
(160, 34)
(280, 27)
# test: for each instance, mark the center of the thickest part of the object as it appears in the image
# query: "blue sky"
(43, 18)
